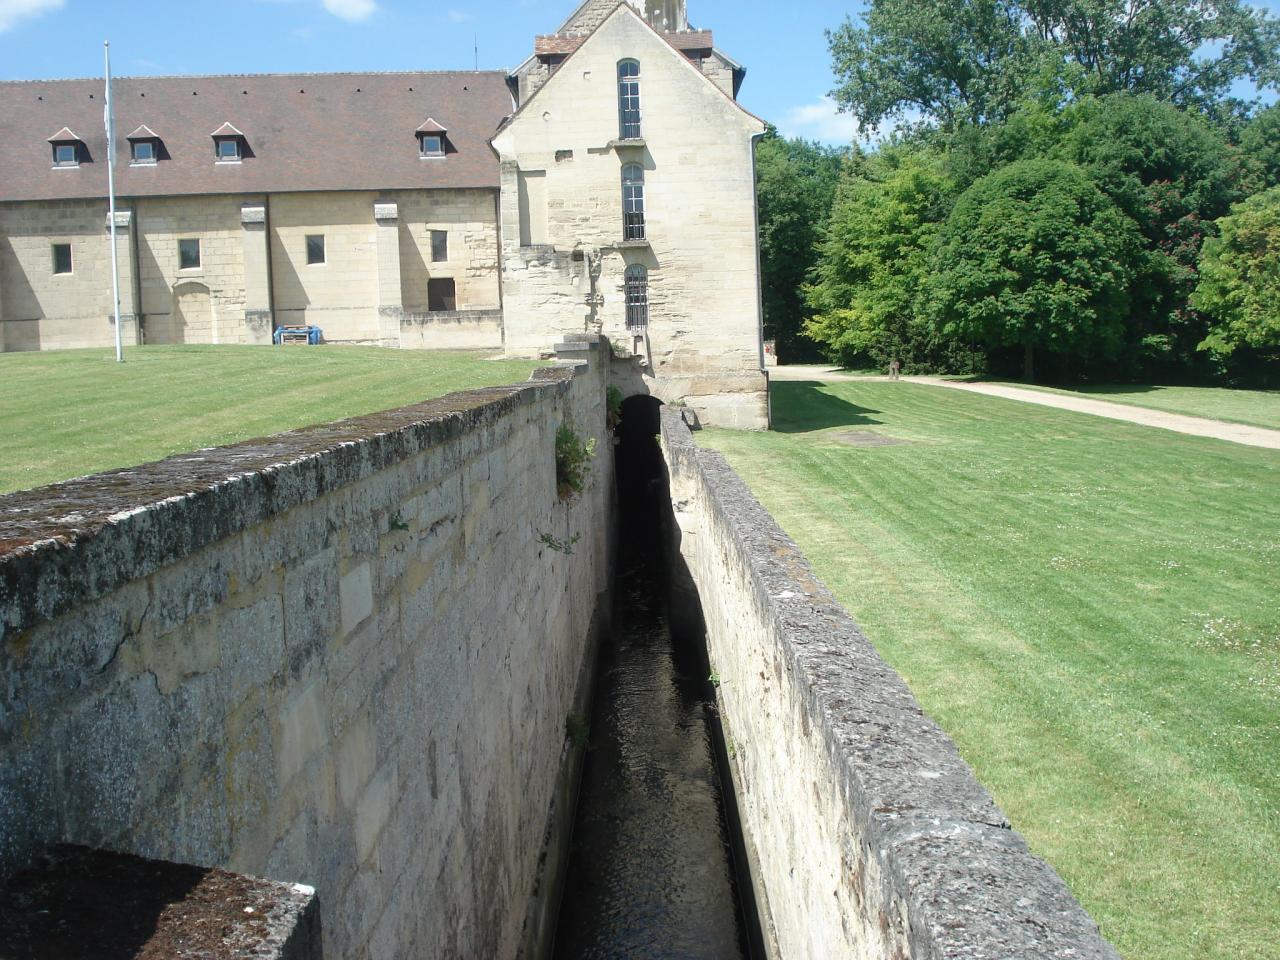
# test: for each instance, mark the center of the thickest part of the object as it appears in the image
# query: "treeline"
(1072, 192)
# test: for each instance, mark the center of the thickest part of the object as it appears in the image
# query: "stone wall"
(253, 261)
(869, 836)
(342, 656)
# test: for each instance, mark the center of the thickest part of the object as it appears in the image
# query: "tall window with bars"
(637, 282)
(633, 202)
(629, 100)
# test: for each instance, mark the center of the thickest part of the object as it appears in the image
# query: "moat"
(651, 870)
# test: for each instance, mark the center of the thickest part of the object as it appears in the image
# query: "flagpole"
(109, 120)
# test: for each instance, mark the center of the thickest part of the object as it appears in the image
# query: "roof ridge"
(245, 76)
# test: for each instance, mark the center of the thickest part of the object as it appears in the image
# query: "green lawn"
(1261, 408)
(1090, 608)
(74, 412)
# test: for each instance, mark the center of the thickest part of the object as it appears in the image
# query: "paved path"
(1196, 426)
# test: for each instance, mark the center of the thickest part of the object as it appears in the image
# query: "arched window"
(628, 99)
(637, 296)
(633, 202)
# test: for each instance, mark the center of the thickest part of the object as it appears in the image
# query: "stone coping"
(122, 906)
(973, 888)
(74, 541)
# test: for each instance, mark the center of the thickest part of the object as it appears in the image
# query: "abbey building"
(606, 185)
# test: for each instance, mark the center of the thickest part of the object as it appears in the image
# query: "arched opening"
(628, 99)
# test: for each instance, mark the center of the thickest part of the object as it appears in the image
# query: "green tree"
(1034, 256)
(1260, 142)
(795, 184)
(1239, 286)
(949, 61)
(952, 61)
(874, 260)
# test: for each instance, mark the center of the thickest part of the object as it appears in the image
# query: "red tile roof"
(305, 132)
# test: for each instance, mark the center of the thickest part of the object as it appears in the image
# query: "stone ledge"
(74, 541)
(971, 885)
(82, 902)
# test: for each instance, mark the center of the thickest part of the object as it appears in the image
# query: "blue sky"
(781, 44)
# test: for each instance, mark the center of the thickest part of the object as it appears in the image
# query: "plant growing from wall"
(613, 403)
(553, 542)
(573, 455)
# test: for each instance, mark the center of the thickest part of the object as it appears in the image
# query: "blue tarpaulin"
(313, 334)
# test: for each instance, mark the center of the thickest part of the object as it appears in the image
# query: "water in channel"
(651, 871)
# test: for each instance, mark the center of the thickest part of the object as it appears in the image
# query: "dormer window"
(228, 144)
(66, 148)
(144, 147)
(432, 138)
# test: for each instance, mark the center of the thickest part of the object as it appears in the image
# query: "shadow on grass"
(802, 406)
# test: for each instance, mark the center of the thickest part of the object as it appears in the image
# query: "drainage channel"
(652, 871)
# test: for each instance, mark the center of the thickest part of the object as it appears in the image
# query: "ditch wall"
(341, 656)
(867, 835)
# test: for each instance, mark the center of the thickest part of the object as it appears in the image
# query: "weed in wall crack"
(577, 730)
(559, 546)
(573, 454)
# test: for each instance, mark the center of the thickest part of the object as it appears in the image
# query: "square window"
(228, 148)
(188, 254)
(62, 258)
(441, 295)
(315, 248)
(439, 246)
(432, 145)
(144, 151)
(66, 154)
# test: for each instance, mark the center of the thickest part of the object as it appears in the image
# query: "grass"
(1258, 408)
(70, 413)
(1090, 608)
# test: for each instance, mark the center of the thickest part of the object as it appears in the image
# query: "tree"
(1239, 286)
(948, 60)
(1034, 256)
(796, 184)
(954, 62)
(874, 260)
(1260, 142)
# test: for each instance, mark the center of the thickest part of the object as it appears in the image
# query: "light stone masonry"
(341, 656)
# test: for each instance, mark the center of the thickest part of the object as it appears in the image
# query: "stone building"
(606, 185)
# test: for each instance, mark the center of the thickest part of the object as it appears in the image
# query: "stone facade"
(342, 657)
(564, 252)
(242, 288)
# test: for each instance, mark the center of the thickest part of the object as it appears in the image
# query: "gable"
(626, 35)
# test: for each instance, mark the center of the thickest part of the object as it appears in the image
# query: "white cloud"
(458, 16)
(352, 9)
(819, 121)
(13, 11)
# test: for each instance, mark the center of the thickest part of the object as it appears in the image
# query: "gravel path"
(1196, 426)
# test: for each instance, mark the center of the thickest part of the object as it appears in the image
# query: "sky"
(782, 45)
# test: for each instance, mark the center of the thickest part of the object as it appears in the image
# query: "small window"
(315, 248)
(432, 145)
(228, 148)
(62, 258)
(188, 254)
(441, 295)
(628, 100)
(637, 296)
(439, 246)
(144, 151)
(66, 154)
(633, 202)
